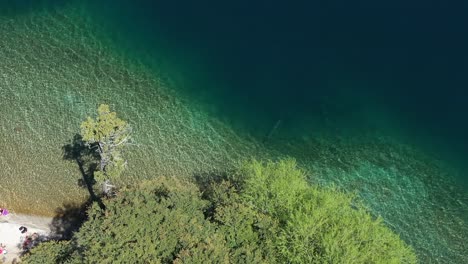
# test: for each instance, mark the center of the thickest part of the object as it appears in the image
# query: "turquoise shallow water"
(199, 108)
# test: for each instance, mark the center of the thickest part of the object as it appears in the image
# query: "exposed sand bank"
(11, 237)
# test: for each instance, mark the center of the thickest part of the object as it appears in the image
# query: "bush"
(318, 225)
(272, 215)
(52, 252)
(164, 221)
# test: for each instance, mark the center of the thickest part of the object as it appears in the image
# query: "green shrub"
(318, 225)
(165, 221)
(52, 252)
(272, 216)
(248, 233)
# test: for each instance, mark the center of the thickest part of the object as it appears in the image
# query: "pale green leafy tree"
(109, 135)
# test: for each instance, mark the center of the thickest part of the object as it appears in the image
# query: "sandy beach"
(11, 237)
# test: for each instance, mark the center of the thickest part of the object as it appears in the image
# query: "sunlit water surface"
(59, 63)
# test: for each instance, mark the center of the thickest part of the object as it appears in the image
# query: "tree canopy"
(267, 213)
(318, 225)
(107, 134)
(167, 221)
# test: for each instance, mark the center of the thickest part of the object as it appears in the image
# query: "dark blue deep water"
(337, 65)
(344, 65)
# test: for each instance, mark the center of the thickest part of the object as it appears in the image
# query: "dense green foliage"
(319, 225)
(53, 252)
(165, 221)
(272, 215)
(108, 134)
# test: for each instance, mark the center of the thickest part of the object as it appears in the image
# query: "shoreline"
(11, 237)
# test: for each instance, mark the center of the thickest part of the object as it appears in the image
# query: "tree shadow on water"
(204, 180)
(86, 159)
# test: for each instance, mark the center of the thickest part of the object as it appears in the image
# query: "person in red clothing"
(2, 249)
(27, 243)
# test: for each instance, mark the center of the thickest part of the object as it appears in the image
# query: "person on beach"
(3, 249)
(27, 244)
(3, 211)
(23, 229)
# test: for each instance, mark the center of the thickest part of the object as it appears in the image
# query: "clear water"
(370, 100)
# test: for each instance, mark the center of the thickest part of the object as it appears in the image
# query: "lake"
(367, 96)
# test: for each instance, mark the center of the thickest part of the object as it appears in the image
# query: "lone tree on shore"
(108, 135)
